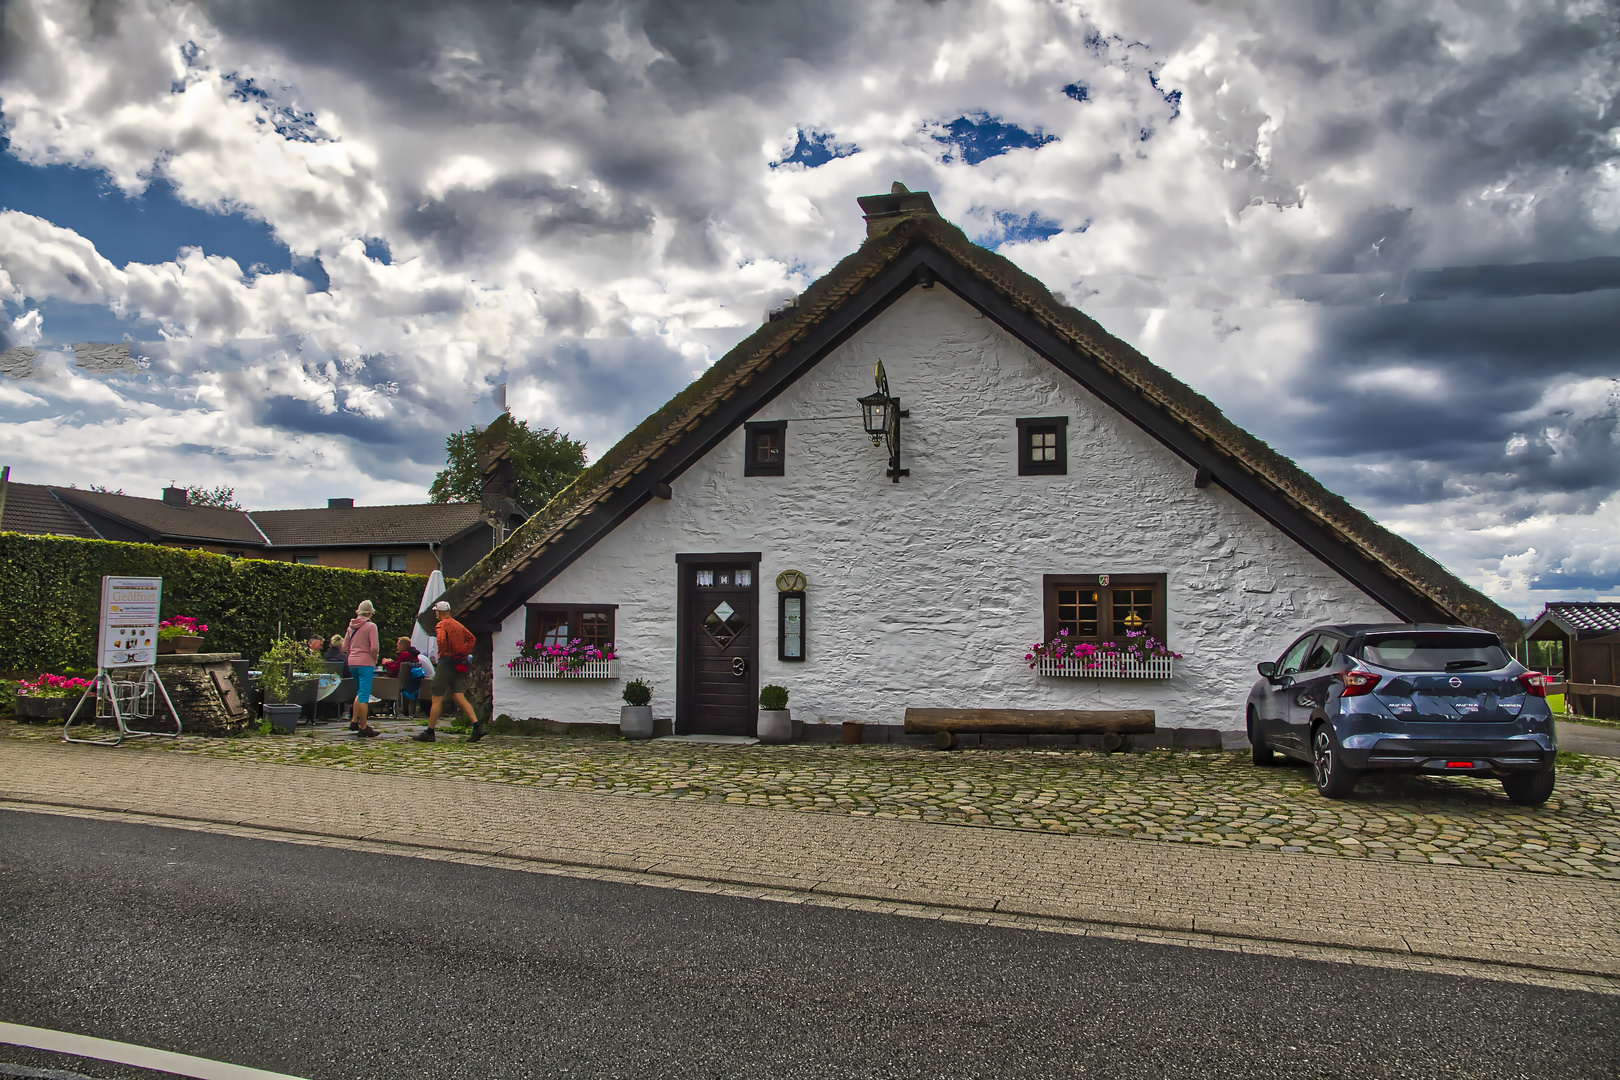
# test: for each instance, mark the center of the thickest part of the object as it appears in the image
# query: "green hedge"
(50, 588)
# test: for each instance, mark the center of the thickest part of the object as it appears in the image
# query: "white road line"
(141, 1057)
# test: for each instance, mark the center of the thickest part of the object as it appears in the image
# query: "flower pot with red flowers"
(181, 634)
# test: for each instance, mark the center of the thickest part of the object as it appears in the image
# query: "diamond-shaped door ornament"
(723, 624)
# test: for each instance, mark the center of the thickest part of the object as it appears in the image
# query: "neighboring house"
(413, 539)
(1057, 479)
(1588, 637)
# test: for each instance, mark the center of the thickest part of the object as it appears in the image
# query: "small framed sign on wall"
(790, 626)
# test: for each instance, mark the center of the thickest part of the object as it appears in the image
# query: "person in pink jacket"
(361, 646)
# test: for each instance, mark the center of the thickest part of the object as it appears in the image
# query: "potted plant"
(181, 634)
(635, 717)
(288, 661)
(775, 721)
(49, 697)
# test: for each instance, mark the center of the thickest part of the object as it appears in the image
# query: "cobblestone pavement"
(1210, 798)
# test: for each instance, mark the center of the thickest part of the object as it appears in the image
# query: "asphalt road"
(332, 964)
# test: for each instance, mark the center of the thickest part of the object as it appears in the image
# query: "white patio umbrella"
(426, 642)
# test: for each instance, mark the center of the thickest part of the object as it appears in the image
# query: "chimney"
(884, 212)
(340, 504)
(175, 496)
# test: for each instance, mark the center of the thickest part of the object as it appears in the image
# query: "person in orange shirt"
(450, 673)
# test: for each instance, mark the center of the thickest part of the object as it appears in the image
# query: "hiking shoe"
(368, 733)
(354, 726)
(477, 731)
(426, 736)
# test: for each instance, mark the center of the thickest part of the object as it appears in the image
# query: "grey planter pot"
(52, 708)
(775, 725)
(636, 721)
(283, 718)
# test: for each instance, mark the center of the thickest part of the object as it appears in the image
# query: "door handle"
(739, 666)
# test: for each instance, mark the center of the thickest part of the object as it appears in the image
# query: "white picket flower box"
(1107, 667)
(545, 669)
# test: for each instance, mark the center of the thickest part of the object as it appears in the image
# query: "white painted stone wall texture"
(928, 592)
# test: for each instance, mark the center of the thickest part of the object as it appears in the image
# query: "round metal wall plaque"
(790, 581)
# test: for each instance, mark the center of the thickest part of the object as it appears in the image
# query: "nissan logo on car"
(1455, 682)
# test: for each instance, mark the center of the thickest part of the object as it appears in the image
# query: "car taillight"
(1357, 683)
(1534, 683)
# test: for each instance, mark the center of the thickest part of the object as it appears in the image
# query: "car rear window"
(1435, 652)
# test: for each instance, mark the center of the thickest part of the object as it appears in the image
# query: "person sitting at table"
(403, 667)
(335, 653)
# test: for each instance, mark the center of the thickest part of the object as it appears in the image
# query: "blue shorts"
(362, 682)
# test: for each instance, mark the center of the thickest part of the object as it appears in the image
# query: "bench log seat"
(946, 724)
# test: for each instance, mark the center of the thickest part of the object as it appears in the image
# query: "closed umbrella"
(426, 642)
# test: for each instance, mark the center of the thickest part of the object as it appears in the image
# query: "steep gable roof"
(921, 250)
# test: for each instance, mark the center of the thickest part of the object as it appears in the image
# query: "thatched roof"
(916, 247)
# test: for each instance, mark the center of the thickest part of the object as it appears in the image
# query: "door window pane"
(705, 577)
(745, 579)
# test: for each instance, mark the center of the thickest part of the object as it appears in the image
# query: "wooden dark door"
(719, 689)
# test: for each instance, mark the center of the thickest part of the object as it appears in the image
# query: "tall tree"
(544, 461)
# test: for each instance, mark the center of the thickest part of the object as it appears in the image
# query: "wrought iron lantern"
(880, 415)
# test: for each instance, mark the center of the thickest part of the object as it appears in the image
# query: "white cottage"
(750, 532)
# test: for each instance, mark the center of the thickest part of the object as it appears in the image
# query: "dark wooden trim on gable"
(1354, 567)
(922, 262)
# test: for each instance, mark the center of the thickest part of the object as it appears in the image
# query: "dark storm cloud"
(1449, 395)
(710, 46)
(515, 211)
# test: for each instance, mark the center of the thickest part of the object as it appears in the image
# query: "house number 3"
(739, 666)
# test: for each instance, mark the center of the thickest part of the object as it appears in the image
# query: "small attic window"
(765, 448)
(1043, 446)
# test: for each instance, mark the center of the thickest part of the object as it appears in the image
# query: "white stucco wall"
(928, 592)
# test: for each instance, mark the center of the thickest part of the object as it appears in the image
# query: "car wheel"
(1334, 779)
(1529, 788)
(1259, 752)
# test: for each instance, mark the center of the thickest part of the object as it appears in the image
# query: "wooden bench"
(1112, 724)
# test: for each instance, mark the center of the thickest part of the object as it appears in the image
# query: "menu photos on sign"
(129, 621)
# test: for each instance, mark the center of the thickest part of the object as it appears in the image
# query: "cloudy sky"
(1381, 235)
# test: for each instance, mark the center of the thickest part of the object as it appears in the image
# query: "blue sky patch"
(1011, 228)
(377, 250)
(149, 229)
(981, 137)
(1172, 98)
(816, 148)
(1078, 91)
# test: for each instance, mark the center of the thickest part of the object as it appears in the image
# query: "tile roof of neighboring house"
(921, 249)
(161, 519)
(1582, 616)
(31, 508)
(418, 523)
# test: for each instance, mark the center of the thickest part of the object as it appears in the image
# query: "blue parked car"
(1417, 698)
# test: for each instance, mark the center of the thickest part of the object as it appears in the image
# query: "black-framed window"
(1105, 607)
(1043, 446)
(307, 560)
(558, 624)
(389, 562)
(765, 446)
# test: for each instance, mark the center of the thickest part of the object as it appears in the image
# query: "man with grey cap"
(450, 673)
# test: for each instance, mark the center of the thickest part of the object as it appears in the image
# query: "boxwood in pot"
(636, 718)
(775, 721)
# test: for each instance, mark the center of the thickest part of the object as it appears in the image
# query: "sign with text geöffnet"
(129, 621)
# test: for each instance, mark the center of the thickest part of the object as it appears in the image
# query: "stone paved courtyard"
(1208, 798)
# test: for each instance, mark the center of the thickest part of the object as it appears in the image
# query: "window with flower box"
(558, 624)
(1105, 607)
